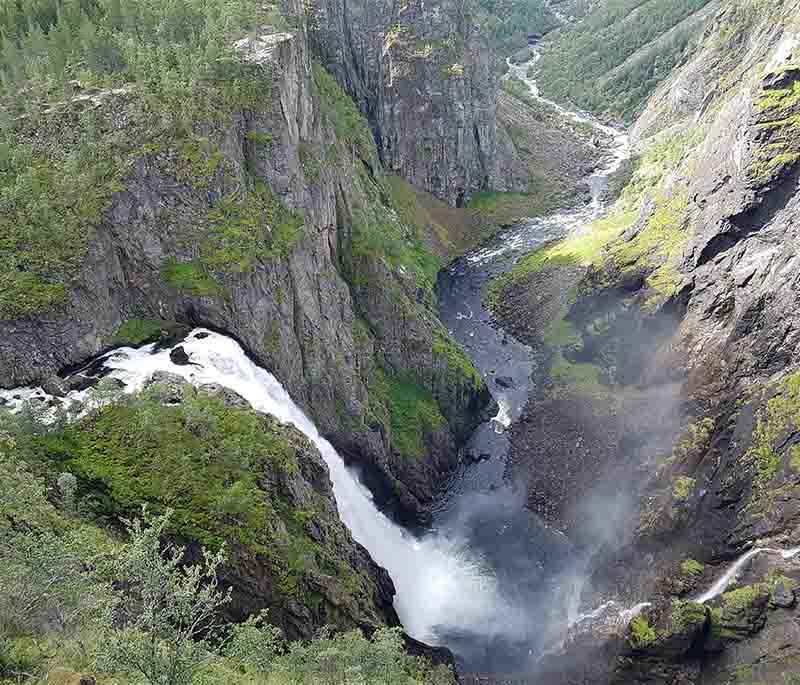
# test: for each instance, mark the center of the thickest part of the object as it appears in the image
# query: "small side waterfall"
(721, 585)
(440, 584)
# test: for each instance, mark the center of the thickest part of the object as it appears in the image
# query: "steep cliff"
(671, 333)
(270, 220)
(424, 77)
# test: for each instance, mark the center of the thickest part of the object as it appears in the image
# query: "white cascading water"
(727, 578)
(439, 583)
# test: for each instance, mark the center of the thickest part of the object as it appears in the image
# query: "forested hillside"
(612, 60)
(507, 23)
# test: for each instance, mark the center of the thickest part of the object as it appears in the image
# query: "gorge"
(416, 339)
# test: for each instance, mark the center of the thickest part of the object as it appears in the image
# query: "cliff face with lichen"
(424, 77)
(274, 224)
(672, 341)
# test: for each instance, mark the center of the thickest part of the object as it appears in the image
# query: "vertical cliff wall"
(423, 75)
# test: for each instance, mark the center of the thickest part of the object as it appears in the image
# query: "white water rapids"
(439, 583)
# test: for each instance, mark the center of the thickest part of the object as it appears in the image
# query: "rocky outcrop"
(266, 495)
(693, 288)
(304, 287)
(424, 77)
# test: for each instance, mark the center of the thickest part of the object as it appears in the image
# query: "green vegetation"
(507, 23)
(433, 234)
(584, 378)
(379, 234)
(782, 413)
(410, 411)
(75, 600)
(245, 230)
(199, 457)
(48, 208)
(136, 332)
(641, 632)
(781, 109)
(241, 230)
(85, 66)
(687, 616)
(590, 63)
(744, 597)
(578, 250)
(190, 278)
(692, 567)
(682, 488)
(458, 363)
(658, 245)
(504, 209)
(350, 125)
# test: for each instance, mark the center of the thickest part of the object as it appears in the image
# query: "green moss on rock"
(458, 363)
(641, 632)
(136, 332)
(410, 410)
(682, 488)
(692, 567)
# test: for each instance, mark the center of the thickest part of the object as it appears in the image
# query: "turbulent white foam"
(721, 585)
(440, 585)
(503, 419)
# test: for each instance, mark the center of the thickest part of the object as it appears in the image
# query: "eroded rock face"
(423, 75)
(298, 311)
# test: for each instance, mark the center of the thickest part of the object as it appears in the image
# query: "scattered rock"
(55, 386)
(79, 382)
(783, 596)
(473, 458)
(228, 397)
(179, 357)
(202, 335)
(505, 381)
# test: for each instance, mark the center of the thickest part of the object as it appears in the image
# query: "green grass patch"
(744, 597)
(584, 378)
(687, 616)
(350, 125)
(49, 209)
(658, 245)
(379, 233)
(249, 229)
(642, 633)
(411, 410)
(199, 457)
(135, 332)
(458, 363)
(190, 277)
(782, 413)
(692, 567)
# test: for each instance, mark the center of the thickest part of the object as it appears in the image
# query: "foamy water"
(440, 584)
(724, 581)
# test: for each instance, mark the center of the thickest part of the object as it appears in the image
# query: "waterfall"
(440, 585)
(725, 580)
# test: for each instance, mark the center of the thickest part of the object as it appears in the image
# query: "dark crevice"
(753, 219)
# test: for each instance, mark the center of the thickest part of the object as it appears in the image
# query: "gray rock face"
(296, 312)
(423, 75)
